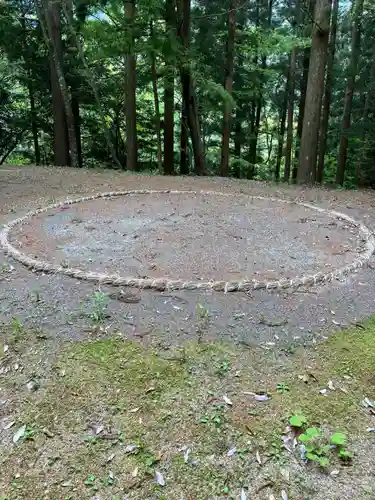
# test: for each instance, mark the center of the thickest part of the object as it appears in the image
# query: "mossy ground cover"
(114, 419)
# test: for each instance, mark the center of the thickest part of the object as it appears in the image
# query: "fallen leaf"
(131, 448)
(186, 455)
(66, 484)
(134, 410)
(336, 323)
(98, 429)
(232, 452)
(150, 389)
(284, 496)
(367, 403)
(323, 391)
(111, 457)
(257, 456)
(259, 397)
(8, 426)
(6, 348)
(48, 433)
(135, 472)
(19, 434)
(159, 478)
(331, 386)
(227, 401)
(334, 472)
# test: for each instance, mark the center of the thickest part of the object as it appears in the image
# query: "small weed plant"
(216, 417)
(320, 447)
(223, 368)
(98, 307)
(282, 388)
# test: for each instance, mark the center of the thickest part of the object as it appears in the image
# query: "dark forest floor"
(158, 375)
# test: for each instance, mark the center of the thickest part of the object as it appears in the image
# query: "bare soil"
(63, 303)
(191, 237)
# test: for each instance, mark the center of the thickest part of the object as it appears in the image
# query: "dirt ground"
(61, 301)
(156, 352)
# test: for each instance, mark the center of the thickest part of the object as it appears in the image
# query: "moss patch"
(110, 414)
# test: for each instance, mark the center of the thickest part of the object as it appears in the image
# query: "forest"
(260, 89)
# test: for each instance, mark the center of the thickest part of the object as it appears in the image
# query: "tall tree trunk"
(67, 8)
(188, 91)
(259, 102)
(228, 85)
(289, 134)
(130, 87)
(314, 93)
(327, 93)
(301, 108)
(282, 130)
(238, 133)
(368, 106)
(50, 23)
(238, 84)
(154, 78)
(240, 107)
(253, 139)
(53, 39)
(184, 141)
(291, 90)
(77, 128)
(170, 21)
(353, 67)
(30, 87)
(34, 124)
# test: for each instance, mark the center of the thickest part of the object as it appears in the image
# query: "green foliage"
(319, 447)
(282, 388)
(297, 420)
(216, 418)
(98, 307)
(262, 51)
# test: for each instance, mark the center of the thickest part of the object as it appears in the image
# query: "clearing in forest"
(110, 392)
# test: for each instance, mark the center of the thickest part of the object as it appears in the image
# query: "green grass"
(162, 402)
